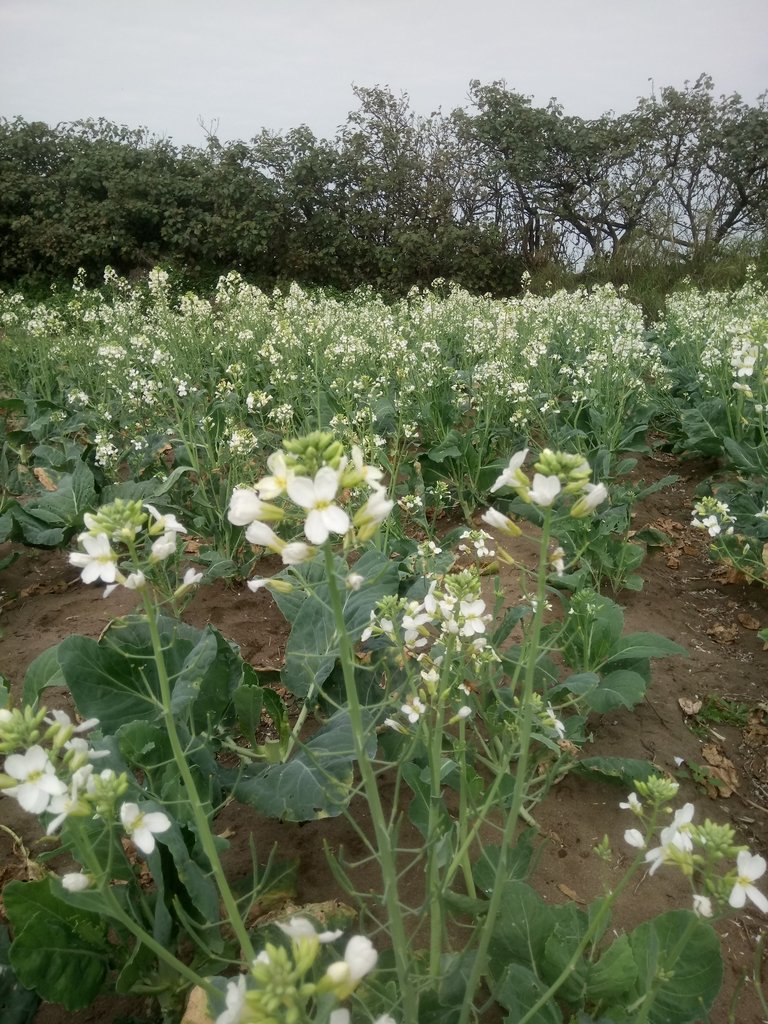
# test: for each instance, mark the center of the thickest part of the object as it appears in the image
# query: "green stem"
(479, 965)
(383, 838)
(434, 888)
(201, 819)
(466, 867)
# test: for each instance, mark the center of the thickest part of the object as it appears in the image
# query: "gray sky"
(248, 64)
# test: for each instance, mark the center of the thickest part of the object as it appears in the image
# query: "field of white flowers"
(390, 456)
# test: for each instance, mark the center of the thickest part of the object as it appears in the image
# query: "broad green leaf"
(59, 951)
(570, 928)
(313, 645)
(617, 689)
(6, 527)
(36, 531)
(520, 989)
(116, 681)
(522, 928)
(106, 685)
(635, 646)
(183, 878)
(613, 974)
(249, 701)
(18, 1005)
(519, 858)
(682, 982)
(44, 671)
(625, 770)
(316, 783)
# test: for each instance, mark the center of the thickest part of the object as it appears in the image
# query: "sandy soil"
(686, 597)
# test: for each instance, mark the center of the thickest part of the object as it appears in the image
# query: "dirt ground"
(686, 597)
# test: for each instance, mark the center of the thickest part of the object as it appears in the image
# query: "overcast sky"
(248, 64)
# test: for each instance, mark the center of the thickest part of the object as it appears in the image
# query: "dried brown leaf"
(689, 707)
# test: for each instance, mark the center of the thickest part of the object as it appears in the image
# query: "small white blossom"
(316, 496)
(37, 779)
(749, 868)
(702, 905)
(635, 838)
(98, 562)
(234, 1002)
(76, 881)
(544, 490)
(164, 546)
(509, 475)
(141, 826)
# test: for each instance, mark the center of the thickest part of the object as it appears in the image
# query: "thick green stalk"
(383, 837)
(201, 819)
(434, 887)
(479, 965)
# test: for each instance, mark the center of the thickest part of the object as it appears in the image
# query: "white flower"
(554, 722)
(673, 836)
(472, 613)
(164, 546)
(99, 562)
(355, 581)
(588, 502)
(141, 827)
(702, 905)
(413, 709)
(632, 804)
(235, 1002)
(496, 519)
(340, 1016)
(296, 552)
(365, 474)
(302, 928)
(273, 486)
(262, 535)
(167, 523)
(544, 490)
(508, 476)
(749, 868)
(135, 580)
(463, 712)
(635, 838)
(374, 511)
(76, 881)
(37, 780)
(66, 803)
(316, 496)
(191, 578)
(57, 717)
(257, 584)
(244, 506)
(359, 959)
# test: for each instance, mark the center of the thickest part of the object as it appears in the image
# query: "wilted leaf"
(722, 769)
(689, 707)
(44, 479)
(724, 634)
(748, 621)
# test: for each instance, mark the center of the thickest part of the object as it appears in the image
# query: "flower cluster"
(49, 771)
(555, 474)
(704, 853)
(149, 537)
(286, 984)
(713, 516)
(312, 479)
